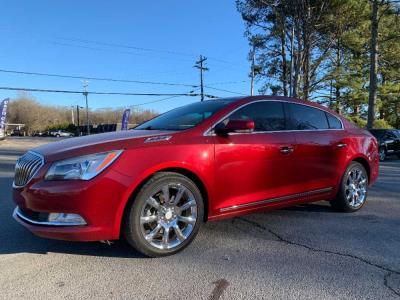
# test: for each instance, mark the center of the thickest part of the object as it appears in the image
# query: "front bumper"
(57, 219)
(100, 203)
(58, 232)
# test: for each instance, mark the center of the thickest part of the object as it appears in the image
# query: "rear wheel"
(165, 216)
(353, 189)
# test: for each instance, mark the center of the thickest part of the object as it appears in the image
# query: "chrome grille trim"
(26, 168)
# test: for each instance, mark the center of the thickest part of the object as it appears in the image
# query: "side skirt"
(278, 199)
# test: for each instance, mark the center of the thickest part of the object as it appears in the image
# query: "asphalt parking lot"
(304, 252)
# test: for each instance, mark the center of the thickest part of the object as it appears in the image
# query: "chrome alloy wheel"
(356, 187)
(168, 216)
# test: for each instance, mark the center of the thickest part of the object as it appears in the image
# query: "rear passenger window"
(334, 122)
(307, 118)
(267, 115)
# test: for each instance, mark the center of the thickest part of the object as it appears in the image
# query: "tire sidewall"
(341, 199)
(133, 233)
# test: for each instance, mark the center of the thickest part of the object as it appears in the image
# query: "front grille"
(26, 167)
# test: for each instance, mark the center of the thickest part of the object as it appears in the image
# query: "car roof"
(271, 98)
(249, 99)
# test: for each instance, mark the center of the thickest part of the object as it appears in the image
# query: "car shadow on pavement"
(28, 243)
(16, 239)
(319, 207)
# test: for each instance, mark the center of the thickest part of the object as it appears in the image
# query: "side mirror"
(234, 126)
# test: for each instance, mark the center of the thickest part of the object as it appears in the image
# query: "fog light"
(67, 219)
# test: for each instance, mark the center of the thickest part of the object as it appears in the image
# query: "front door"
(252, 167)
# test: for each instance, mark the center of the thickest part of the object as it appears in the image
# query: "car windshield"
(184, 117)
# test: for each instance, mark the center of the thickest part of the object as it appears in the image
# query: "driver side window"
(267, 115)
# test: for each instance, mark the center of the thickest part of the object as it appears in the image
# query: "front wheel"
(353, 189)
(165, 216)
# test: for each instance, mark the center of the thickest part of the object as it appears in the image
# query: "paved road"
(298, 253)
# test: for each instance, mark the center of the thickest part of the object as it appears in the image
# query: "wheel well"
(183, 172)
(365, 164)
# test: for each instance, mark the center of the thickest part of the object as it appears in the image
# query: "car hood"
(96, 143)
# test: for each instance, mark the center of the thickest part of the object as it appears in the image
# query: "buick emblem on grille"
(26, 167)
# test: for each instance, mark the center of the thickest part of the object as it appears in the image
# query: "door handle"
(286, 150)
(341, 145)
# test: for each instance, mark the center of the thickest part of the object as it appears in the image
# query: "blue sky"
(70, 37)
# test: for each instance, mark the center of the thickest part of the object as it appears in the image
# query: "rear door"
(319, 149)
(251, 167)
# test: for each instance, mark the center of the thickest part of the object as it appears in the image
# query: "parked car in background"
(2, 134)
(61, 133)
(41, 133)
(17, 132)
(155, 185)
(389, 142)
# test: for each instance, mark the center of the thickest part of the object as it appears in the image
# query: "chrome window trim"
(34, 174)
(209, 131)
(18, 214)
(277, 199)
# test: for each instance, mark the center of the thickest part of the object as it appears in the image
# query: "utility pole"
(77, 119)
(72, 115)
(85, 93)
(253, 57)
(199, 65)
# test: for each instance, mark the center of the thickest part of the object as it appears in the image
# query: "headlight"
(82, 167)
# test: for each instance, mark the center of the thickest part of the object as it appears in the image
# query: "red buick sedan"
(155, 185)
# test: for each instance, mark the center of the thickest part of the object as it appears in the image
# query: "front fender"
(196, 162)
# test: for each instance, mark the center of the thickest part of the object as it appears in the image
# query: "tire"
(353, 190)
(382, 154)
(58, 135)
(150, 225)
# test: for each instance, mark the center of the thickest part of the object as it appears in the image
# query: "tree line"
(342, 53)
(38, 117)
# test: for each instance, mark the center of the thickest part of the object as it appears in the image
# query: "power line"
(222, 90)
(94, 93)
(113, 50)
(108, 44)
(126, 46)
(95, 78)
(227, 82)
(155, 101)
